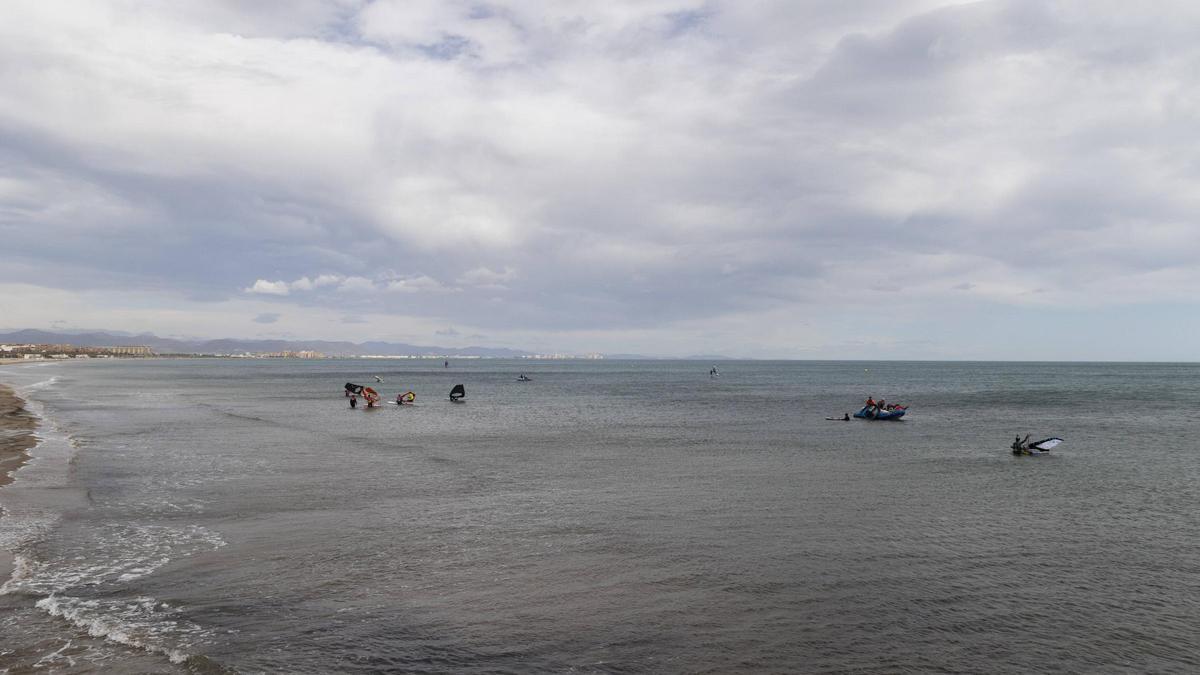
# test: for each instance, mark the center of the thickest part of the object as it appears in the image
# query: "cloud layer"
(670, 176)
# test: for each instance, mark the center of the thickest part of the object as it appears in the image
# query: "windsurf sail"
(406, 397)
(1045, 444)
(352, 388)
(371, 395)
(458, 392)
(378, 379)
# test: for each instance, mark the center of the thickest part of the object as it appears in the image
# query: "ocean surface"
(607, 517)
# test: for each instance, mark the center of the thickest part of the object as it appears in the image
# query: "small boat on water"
(870, 412)
(458, 393)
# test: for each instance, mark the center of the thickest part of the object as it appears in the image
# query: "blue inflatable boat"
(872, 413)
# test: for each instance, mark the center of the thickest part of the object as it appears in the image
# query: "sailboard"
(371, 395)
(405, 398)
(458, 393)
(352, 388)
(1041, 447)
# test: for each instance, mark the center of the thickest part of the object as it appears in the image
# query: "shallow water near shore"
(211, 515)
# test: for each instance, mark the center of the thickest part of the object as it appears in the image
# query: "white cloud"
(269, 287)
(356, 284)
(415, 284)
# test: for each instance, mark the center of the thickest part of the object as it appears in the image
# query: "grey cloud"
(622, 168)
(267, 317)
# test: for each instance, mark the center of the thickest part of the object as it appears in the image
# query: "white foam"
(112, 553)
(107, 554)
(140, 622)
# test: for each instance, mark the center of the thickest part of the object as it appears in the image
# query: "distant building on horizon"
(128, 350)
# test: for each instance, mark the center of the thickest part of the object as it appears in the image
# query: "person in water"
(353, 401)
(1020, 446)
(846, 417)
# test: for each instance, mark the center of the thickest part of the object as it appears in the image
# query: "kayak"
(873, 413)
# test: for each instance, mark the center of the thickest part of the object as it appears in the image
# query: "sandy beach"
(16, 437)
(16, 433)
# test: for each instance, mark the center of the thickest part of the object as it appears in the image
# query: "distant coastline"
(117, 344)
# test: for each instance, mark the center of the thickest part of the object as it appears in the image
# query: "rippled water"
(605, 517)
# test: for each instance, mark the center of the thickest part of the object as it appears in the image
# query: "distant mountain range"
(233, 346)
(112, 338)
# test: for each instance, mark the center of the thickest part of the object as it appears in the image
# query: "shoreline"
(17, 427)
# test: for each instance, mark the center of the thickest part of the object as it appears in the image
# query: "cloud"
(617, 172)
(306, 284)
(483, 276)
(415, 284)
(356, 284)
(267, 317)
(448, 332)
(269, 287)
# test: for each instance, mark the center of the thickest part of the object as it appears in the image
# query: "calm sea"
(637, 516)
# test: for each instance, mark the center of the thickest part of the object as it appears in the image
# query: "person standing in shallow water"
(353, 401)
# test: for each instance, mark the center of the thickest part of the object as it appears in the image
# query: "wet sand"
(16, 438)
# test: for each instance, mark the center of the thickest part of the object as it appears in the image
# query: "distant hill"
(235, 346)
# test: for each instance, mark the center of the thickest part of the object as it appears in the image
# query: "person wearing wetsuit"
(353, 401)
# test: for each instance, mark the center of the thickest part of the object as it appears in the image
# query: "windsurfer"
(353, 401)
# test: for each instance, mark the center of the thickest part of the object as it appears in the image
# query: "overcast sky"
(757, 178)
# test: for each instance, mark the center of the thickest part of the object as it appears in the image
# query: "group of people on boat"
(881, 405)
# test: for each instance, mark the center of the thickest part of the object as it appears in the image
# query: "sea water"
(214, 515)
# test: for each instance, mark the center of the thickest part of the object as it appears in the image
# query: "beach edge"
(18, 429)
